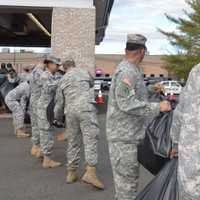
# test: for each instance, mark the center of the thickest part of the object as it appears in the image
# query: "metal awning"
(31, 26)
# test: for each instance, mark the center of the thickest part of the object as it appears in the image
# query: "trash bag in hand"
(153, 151)
(27, 117)
(164, 186)
(50, 112)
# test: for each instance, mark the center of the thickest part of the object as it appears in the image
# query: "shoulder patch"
(126, 81)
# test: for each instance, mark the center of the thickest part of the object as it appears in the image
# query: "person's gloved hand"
(165, 106)
(158, 87)
(58, 124)
(173, 153)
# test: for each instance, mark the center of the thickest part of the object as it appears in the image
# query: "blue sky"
(141, 16)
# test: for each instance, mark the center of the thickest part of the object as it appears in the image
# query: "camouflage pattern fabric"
(16, 101)
(36, 85)
(59, 103)
(81, 119)
(125, 169)
(185, 134)
(128, 110)
(48, 90)
(25, 77)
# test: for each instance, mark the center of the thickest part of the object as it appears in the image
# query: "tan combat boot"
(72, 176)
(48, 163)
(90, 177)
(39, 154)
(61, 137)
(21, 134)
(34, 150)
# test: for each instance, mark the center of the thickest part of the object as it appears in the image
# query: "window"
(161, 75)
(165, 83)
(174, 84)
(152, 75)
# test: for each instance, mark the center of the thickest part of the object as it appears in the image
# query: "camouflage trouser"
(34, 122)
(125, 168)
(82, 127)
(182, 194)
(17, 113)
(46, 132)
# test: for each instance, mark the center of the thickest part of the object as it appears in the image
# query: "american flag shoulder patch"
(126, 81)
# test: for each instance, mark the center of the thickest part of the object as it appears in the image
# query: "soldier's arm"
(183, 102)
(127, 99)
(36, 75)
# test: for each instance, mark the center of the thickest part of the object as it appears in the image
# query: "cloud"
(141, 16)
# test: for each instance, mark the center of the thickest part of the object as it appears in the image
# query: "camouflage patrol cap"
(136, 39)
(69, 62)
(53, 59)
(135, 42)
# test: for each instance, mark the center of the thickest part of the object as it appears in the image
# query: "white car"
(172, 87)
(97, 85)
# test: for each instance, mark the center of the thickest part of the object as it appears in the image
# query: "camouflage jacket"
(128, 106)
(36, 83)
(48, 91)
(185, 132)
(75, 90)
(21, 94)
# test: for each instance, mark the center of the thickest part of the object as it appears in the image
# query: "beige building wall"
(152, 65)
(18, 60)
(73, 35)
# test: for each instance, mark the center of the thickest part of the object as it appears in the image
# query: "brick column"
(73, 35)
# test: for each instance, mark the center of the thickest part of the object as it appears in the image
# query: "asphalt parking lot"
(22, 177)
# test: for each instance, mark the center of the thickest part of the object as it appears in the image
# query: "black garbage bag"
(164, 186)
(27, 117)
(50, 112)
(153, 151)
(156, 97)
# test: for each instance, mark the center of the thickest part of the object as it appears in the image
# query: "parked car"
(102, 83)
(97, 85)
(172, 87)
(153, 80)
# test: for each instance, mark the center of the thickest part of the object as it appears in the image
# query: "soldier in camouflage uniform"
(26, 74)
(77, 96)
(185, 134)
(35, 85)
(49, 84)
(128, 109)
(17, 100)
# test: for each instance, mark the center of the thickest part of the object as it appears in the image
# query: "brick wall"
(152, 65)
(73, 35)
